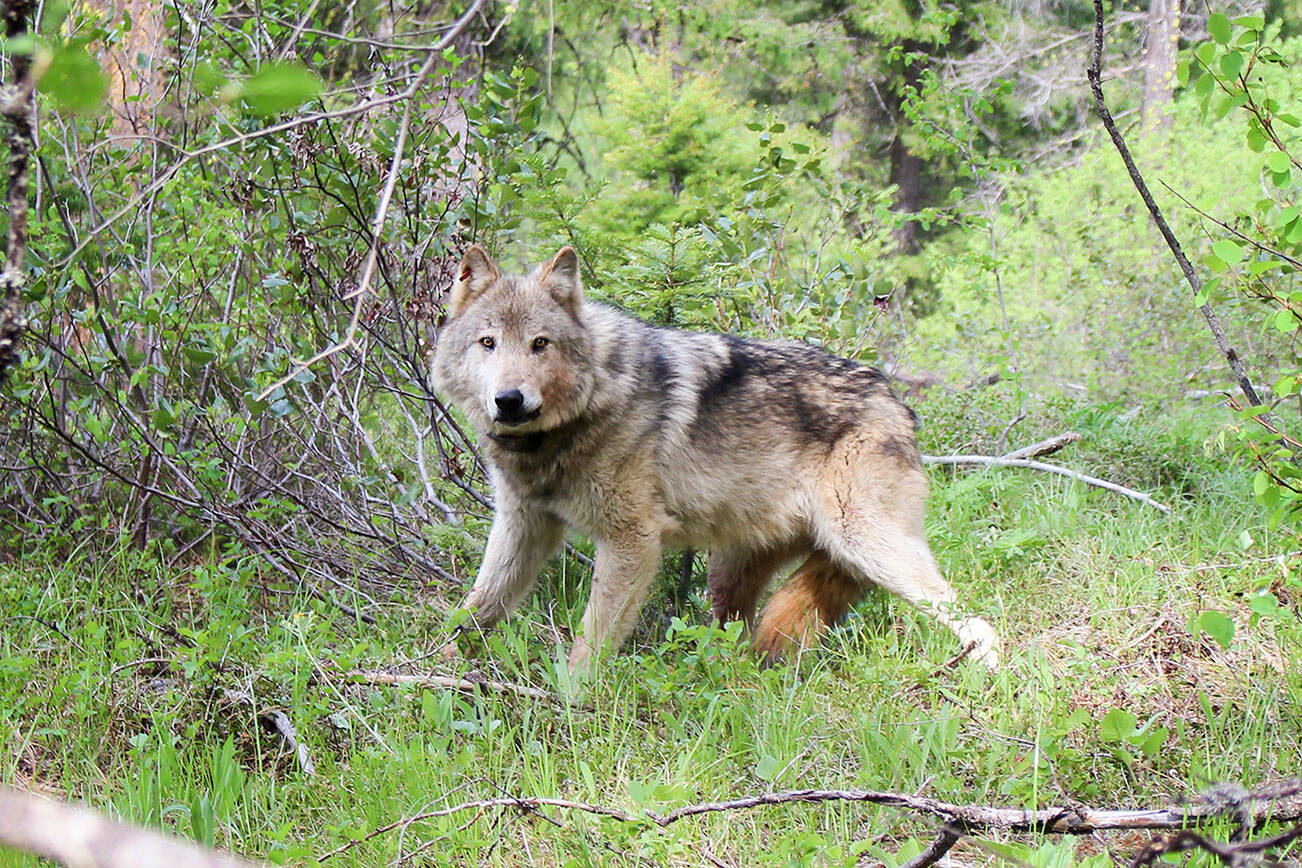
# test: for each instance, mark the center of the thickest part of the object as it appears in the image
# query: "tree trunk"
(135, 67)
(1161, 46)
(906, 167)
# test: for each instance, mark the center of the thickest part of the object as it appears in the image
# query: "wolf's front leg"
(518, 544)
(624, 569)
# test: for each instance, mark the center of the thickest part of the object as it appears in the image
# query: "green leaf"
(1216, 625)
(199, 355)
(1264, 603)
(22, 44)
(1232, 64)
(1278, 161)
(1154, 741)
(207, 79)
(279, 87)
(1286, 321)
(640, 793)
(1218, 27)
(73, 79)
(767, 768)
(1227, 250)
(1117, 725)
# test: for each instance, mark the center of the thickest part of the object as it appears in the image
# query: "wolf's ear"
(560, 277)
(477, 274)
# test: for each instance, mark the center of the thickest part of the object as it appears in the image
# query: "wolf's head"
(513, 353)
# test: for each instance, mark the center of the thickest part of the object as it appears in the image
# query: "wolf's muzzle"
(511, 409)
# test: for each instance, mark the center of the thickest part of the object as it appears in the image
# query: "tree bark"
(82, 839)
(907, 168)
(1159, 58)
(17, 106)
(135, 68)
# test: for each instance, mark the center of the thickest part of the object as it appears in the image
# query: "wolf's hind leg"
(518, 545)
(872, 527)
(738, 577)
(816, 596)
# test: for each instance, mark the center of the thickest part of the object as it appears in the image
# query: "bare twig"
(1276, 802)
(1047, 446)
(381, 210)
(81, 839)
(993, 461)
(464, 685)
(936, 850)
(527, 804)
(1095, 76)
(1237, 854)
(165, 175)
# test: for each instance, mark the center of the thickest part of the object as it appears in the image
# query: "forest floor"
(169, 696)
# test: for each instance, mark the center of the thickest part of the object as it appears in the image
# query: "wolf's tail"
(816, 596)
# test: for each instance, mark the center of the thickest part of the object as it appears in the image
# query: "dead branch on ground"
(1048, 446)
(997, 461)
(1280, 801)
(469, 684)
(83, 839)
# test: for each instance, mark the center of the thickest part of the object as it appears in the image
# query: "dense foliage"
(227, 485)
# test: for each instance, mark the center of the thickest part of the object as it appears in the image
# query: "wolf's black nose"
(509, 400)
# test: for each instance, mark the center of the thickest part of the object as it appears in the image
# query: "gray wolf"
(766, 453)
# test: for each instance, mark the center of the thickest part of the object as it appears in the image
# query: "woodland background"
(227, 492)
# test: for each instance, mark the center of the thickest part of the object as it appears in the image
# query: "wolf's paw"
(981, 638)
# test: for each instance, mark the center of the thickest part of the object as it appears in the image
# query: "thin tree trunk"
(1161, 47)
(907, 168)
(16, 111)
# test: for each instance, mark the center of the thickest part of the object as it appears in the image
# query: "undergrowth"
(1146, 656)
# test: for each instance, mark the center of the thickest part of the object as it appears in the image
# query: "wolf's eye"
(487, 342)
(540, 343)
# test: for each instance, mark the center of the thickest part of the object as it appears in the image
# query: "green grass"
(136, 688)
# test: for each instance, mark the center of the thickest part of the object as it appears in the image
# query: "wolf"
(766, 453)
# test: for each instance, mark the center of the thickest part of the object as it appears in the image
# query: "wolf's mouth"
(527, 442)
(515, 420)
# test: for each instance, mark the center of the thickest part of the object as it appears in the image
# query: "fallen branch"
(1047, 446)
(994, 461)
(525, 804)
(470, 684)
(1276, 802)
(936, 850)
(1058, 820)
(83, 839)
(276, 722)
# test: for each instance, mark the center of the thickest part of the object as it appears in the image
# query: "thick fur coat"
(765, 453)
